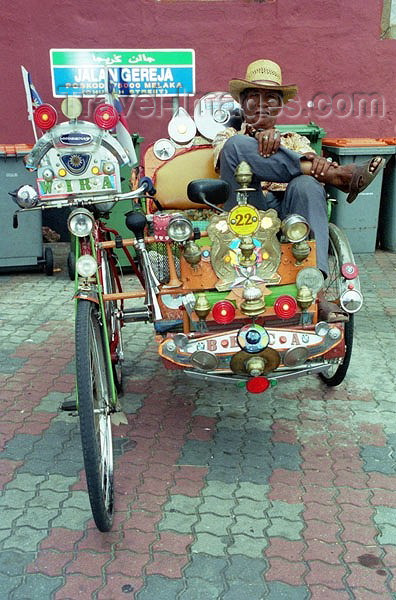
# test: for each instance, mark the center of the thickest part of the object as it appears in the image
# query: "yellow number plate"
(244, 219)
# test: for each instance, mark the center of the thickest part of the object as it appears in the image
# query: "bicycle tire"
(336, 376)
(332, 290)
(94, 412)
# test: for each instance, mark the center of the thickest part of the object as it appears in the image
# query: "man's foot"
(353, 178)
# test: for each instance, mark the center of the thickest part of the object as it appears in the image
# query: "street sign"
(132, 72)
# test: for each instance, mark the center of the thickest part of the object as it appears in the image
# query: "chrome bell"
(246, 247)
(304, 297)
(202, 306)
(243, 174)
(192, 253)
(300, 251)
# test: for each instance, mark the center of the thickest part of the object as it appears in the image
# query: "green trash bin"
(360, 219)
(21, 245)
(387, 218)
(117, 216)
(312, 131)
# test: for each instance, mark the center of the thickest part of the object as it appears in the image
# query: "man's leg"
(306, 197)
(281, 167)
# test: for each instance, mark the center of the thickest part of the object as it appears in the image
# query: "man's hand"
(268, 142)
(320, 165)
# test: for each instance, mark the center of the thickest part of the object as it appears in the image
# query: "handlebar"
(146, 188)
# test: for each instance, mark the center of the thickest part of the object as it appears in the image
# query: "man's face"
(262, 107)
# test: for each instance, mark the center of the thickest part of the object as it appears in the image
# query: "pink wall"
(327, 47)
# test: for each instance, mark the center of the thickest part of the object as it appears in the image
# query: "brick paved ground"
(219, 494)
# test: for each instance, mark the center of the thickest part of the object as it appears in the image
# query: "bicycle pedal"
(119, 418)
(69, 406)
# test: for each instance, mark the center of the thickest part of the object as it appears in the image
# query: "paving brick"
(285, 493)
(207, 543)
(359, 514)
(78, 586)
(286, 571)
(184, 504)
(38, 517)
(365, 534)
(319, 592)
(378, 480)
(167, 564)
(326, 532)
(252, 508)
(254, 591)
(200, 590)
(354, 497)
(329, 575)
(25, 539)
(214, 524)
(8, 584)
(245, 570)
(13, 563)
(287, 549)
(142, 520)
(284, 476)
(280, 527)
(285, 510)
(50, 562)
(37, 586)
(72, 518)
(322, 512)
(247, 546)
(373, 580)
(252, 526)
(284, 591)
(324, 551)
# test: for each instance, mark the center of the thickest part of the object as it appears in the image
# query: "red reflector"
(223, 312)
(349, 270)
(105, 116)
(45, 116)
(285, 307)
(257, 385)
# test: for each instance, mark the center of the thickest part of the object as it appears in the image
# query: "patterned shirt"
(292, 141)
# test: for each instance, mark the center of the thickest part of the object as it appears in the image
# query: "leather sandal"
(362, 177)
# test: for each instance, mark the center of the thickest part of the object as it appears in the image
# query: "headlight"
(180, 229)
(351, 301)
(295, 228)
(80, 222)
(312, 277)
(86, 265)
(26, 197)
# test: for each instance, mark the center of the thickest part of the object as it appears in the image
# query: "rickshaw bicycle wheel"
(94, 410)
(337, 371)
(113, 322)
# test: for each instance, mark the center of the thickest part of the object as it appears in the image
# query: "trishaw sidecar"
(232, 296)
(240, 296)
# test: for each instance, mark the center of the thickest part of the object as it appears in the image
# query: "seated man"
(287, 173)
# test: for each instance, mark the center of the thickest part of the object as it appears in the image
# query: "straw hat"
(265, 75)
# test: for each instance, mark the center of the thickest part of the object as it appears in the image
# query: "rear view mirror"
(208, 191)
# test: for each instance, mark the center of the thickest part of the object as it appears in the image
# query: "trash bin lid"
(348, 142)
(310, 130)
(15, 149)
